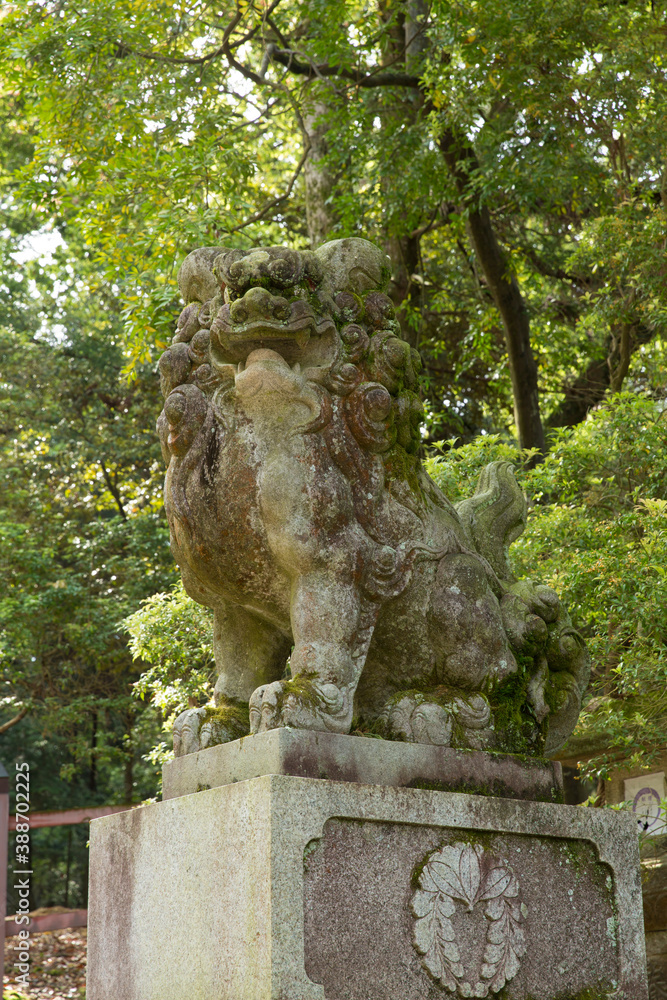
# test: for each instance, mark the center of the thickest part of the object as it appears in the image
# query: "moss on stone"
(517, 730)
(400, 465)
(558, 689)
(302, 687)
(227, 721)
(229, 715)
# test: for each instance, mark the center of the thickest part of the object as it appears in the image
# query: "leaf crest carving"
(468, 875)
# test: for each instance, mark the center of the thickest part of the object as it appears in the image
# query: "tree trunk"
(404, 291)
(416, 40)
(319, 182)
(461, 160)
(581, 396)
(405, 48)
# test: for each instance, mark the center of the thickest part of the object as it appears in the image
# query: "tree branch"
(581, 396)
(599, 377)
(266, 19)
(113, 490)
(12, 722)
(276, 30)
(126, 50)
(433, 222)
(249, 74)
(274, 201)
(312, 71)
(545, 269)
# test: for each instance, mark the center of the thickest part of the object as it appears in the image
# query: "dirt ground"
(57, 966)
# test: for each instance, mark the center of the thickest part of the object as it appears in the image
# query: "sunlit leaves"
(597, 533)
(172, 637)
(82, 536)
(156, 139)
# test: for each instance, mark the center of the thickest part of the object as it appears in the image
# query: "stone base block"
(289, 888)
(308, 754)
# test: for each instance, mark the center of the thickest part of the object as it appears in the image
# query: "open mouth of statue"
(265, 321)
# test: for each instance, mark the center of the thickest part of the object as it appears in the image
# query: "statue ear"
(196, 279)
(354, 265)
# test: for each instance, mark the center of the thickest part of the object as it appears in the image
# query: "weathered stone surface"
(300, 512)
(287, 888)
(309, 754)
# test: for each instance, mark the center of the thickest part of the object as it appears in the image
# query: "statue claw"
(199, 728)
(424, 722)
(415, 719)
(301, 703)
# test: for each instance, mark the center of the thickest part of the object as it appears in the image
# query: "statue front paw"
(302, 703)
(420, 722)
(200, 728)
(464, 720)
(539, 627)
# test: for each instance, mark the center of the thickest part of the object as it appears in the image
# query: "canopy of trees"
(509, 155)
(511, 159)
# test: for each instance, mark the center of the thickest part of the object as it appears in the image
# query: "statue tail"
(495, 516)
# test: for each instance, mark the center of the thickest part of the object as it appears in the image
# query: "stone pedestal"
(281, 887)
(307, 754)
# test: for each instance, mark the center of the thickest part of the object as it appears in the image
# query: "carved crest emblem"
(465, 876)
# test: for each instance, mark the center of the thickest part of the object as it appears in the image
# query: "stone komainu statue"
(301, 514)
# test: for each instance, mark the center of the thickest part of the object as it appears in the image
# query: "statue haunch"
(300, 513)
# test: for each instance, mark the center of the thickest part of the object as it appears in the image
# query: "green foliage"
(457, 469)
(174, 635)
(597, 533)
(610, 520)
(156, 127)
(144, 153)
(83, 539)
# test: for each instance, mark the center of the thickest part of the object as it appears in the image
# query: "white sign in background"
(646, 793)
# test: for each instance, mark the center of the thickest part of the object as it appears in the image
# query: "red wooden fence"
(68, 817)
(46, 921)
